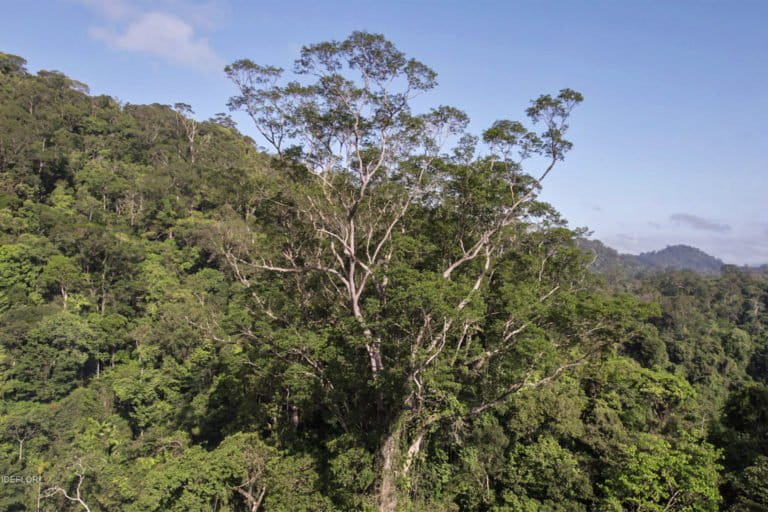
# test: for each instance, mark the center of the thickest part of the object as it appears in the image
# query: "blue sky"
(670, 143)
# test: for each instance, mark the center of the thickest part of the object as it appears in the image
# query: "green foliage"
(656, 476)
(240, 467)
(752, 486)
(51, 359)
(545, 476)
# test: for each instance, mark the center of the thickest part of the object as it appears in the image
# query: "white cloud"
(209, 14)
(112, 9)
(170, 36)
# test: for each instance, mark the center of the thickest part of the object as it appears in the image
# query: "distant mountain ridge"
(673, 257)
(681, 257)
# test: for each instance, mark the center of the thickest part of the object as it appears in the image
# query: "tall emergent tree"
(420, 289)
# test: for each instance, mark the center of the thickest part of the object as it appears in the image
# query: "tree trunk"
(396, 461)
(390, 451)
(253, 502)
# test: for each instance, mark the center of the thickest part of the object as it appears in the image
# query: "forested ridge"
(623, 267)
(376, 313)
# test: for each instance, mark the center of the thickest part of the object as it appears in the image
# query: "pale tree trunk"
(397, 462)
(77, 498)
(253, 500)
(39, 498)
(388, 492)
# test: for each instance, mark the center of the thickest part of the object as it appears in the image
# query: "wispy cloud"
(170, 34)
(699, 223)
(112, 9)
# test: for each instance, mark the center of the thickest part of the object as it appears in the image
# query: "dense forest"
(377, 313)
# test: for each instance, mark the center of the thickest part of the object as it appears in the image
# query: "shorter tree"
(64, 275)
(656, 476)
(71, 489)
